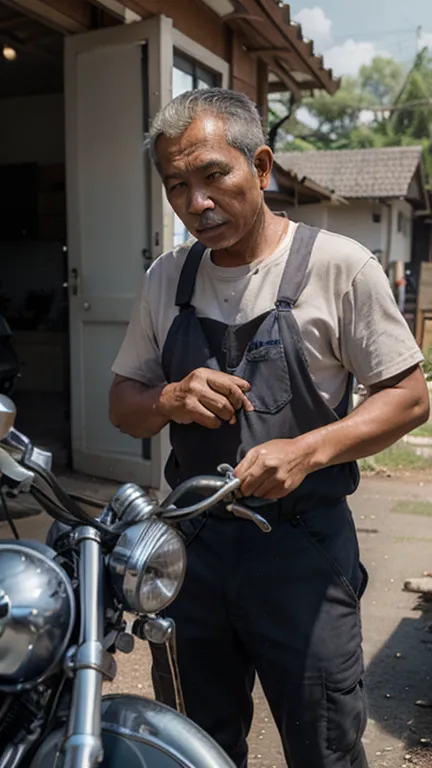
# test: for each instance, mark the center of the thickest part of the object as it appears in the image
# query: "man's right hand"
(205, 397)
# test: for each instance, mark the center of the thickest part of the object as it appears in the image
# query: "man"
(246, 344)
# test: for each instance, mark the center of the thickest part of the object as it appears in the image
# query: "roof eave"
(269, 34)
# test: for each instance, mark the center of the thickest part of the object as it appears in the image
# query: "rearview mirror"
(7, 415)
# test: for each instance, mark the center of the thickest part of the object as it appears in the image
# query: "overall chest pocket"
(265, 367)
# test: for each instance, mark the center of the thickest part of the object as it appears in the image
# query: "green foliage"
(339, 121)
(382, 79)
(427, 365)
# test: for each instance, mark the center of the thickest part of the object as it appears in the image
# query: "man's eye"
(214, 175)
(180, 185)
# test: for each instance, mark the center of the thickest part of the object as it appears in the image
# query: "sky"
(351, 32)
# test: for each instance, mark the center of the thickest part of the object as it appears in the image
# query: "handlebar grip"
(21, 477)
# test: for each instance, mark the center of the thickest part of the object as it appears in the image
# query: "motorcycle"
(9, 364)
(62, 607)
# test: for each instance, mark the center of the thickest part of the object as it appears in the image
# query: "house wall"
(205, 28)
(196, 21)
(315, 215)
(356, 221)
(244, 70)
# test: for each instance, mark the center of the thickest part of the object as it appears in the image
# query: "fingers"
(199, 414)
(270, 489)
(248, 471)
(217, 404)
(232, 388)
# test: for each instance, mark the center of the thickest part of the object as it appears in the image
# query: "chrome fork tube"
(83, 745)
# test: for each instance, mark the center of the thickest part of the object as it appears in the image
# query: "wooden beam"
(13, 22)
(283, 75)
(262, 92)
(67, 16)
(118, 9)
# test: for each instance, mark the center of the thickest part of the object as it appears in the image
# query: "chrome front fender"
(141, 733)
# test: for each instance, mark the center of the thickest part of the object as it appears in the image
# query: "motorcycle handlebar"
(24, 476)
(221, 487)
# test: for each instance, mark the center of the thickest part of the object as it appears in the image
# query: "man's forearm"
(134, 408)
(380, 421)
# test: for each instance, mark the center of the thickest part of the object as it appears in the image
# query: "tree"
(382, 79)
(382, 107)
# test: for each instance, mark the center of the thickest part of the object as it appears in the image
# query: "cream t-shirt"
(346, 313)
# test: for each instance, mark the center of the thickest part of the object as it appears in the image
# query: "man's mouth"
(211, 227)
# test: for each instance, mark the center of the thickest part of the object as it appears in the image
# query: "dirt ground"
(394, 523)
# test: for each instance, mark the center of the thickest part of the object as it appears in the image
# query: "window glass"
(188, 74)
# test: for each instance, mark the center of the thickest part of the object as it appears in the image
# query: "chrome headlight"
(147, 566)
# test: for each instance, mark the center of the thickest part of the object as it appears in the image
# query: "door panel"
(115, 212)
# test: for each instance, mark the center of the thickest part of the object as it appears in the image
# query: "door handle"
(74, 281)
(147, 258)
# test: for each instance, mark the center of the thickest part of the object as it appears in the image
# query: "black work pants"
(284, 605)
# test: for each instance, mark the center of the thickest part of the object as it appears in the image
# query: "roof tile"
(357, 173)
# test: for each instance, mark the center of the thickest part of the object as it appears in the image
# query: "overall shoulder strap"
(291, 284)
(187, 279)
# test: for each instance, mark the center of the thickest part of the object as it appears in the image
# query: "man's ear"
(263, 162)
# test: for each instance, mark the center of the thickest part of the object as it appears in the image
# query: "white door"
(115, 80)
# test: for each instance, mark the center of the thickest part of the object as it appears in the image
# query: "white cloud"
(346, 59)
(315, 24)
(425, 40)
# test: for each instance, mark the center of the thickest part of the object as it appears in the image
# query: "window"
(187, 75)
(403, 224)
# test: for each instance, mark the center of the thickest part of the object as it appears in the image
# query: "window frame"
(196, 60)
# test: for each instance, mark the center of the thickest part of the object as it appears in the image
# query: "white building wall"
(315, 215)
(356, 220)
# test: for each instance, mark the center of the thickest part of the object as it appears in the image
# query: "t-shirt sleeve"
(139, 357)
(376, 342)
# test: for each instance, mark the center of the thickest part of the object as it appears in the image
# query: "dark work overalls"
(284, 605)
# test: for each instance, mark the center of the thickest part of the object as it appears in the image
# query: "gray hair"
(244, 129)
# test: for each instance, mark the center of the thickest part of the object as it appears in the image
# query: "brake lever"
(238, 509)
(247, 514)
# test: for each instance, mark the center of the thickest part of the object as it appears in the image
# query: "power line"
(402, 107)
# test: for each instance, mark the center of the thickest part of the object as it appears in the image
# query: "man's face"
(210, 185)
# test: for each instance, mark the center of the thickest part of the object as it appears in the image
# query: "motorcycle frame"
(88, 662)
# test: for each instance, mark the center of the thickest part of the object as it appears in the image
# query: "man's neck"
(263, 238)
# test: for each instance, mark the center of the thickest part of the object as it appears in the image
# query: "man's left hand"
(274, 469)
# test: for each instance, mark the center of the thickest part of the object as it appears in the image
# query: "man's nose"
(199, 202)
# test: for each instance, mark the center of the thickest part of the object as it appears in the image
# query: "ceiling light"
(9, 53)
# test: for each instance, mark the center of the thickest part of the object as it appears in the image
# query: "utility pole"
(419, 32)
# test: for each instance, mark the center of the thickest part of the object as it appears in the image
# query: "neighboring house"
(388, 207)
(90, 116)
(385, 189)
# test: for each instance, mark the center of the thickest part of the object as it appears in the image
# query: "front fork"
(88, 663)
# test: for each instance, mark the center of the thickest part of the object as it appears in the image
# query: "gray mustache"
(208, 220)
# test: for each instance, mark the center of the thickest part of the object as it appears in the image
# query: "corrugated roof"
(357, 173)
